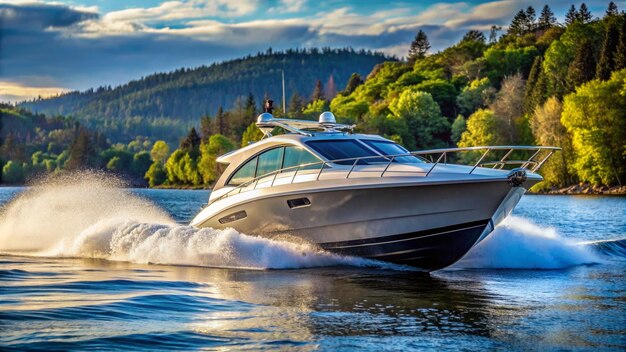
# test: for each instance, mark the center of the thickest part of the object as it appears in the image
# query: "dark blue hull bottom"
(428, 250)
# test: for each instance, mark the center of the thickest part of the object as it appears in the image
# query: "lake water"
(76, 275)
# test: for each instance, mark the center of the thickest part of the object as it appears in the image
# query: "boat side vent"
(233, 217)
(298, 203)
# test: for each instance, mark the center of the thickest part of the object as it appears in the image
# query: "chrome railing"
(533, 163)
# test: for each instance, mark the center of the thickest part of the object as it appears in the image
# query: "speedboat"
(365, 195)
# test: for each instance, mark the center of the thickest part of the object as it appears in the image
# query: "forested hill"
(187, 94)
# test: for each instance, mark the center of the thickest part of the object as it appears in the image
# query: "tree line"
(165, 105)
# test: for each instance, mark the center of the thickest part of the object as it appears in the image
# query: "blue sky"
(53, 46)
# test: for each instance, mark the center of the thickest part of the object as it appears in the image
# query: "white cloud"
(289, 6)
(179, 10)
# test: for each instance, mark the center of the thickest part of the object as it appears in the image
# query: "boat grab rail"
(442, 155)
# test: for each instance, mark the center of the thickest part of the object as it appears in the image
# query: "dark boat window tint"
(245, 173)
(390, 148)
(269, 161)
(344, 149)
(295, 156)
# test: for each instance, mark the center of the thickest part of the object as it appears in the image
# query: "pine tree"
(583, 67)
(531, 17)
(419, 47)
(546, 19)
(584, 15)
(206, 127)
(296, 104)
(354, 81)
(82, 151)
(474, 36)
(318, 91)
(493, 34)
(533, 77)
(611, 10)
(191, 144)
(250, 109)
(538, 93)
(606, 63)
(220, 120)
(620, 54)
(519, 24)
(571, 16)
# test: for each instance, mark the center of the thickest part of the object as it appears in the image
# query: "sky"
(47, 47)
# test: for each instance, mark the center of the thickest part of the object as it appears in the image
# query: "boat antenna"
(284, 97)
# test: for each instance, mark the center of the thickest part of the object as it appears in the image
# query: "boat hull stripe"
(403, 237)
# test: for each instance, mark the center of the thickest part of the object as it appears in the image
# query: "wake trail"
(90, 215)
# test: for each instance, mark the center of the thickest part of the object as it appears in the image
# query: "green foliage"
(508, 61)
(251, 135)
(442, 92)
(532, 92)
(354, 81)
(595, 115)
(547, 129)
(583, 67)
(315, 108)
(13, 172)
(562, 53)
(476, 95)
(606, 63)
(82, 151)
(348, 107)
(141, 163)
(417, 118)
(114, 164)
(156, 174)
(174, 168)
(160, 151)
(482, 127)
(208, 166)
(458, 127)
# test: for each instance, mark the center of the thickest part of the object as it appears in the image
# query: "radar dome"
(264, 117)
(327, 117)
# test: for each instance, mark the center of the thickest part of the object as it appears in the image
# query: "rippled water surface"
(532, 286)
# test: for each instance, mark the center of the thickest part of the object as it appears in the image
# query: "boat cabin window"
(269, 161)
(344, 149)
(295, 156)
(272, 160)
(245, 173)
(391, 148)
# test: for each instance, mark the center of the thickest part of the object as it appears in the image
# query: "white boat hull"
(429, 226)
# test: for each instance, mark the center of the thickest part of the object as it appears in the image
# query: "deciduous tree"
(595, 115)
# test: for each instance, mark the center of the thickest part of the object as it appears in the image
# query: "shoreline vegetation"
(539, 82)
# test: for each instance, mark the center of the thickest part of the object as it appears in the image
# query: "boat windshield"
(391, 148)
(345, 149)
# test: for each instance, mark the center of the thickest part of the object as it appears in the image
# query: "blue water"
(563, 295)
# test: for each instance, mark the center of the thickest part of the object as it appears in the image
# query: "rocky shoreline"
(584, 188)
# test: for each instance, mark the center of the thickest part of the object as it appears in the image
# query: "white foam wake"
(89, 215)
(518, 243)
